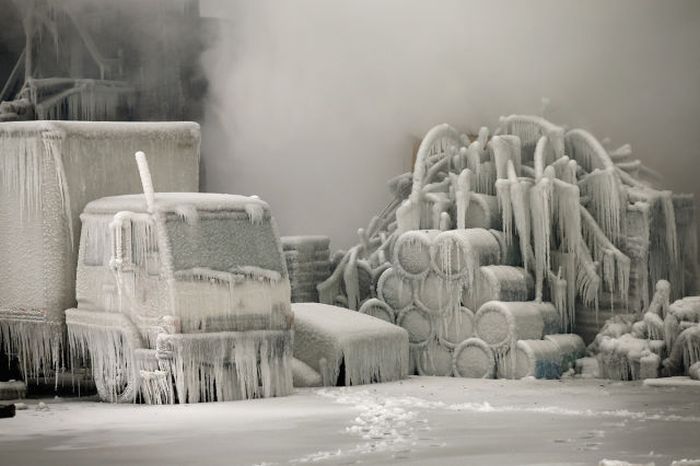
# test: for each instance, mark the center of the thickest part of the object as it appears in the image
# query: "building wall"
(314, 104)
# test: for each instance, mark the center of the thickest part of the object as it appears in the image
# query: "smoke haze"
(316, 103)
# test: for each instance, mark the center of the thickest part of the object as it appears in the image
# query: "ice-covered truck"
(49, 171)
(182, 289)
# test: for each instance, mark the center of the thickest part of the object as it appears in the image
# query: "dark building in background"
(101, 60)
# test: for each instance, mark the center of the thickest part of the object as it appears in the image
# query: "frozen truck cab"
(183, 290)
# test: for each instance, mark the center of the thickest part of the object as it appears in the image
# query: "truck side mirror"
(120, 227)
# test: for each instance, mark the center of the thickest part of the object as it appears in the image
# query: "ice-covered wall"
(315, 104)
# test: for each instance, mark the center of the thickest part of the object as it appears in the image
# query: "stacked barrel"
(468, 309)
(308, 264)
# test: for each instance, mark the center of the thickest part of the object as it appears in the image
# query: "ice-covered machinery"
(49, 171)
(183, 288)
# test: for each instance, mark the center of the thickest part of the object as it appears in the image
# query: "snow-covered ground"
(420, 421)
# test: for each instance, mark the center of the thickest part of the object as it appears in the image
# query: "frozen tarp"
(328, 338)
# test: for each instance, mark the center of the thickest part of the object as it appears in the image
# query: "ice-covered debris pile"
(49, 171)
(664, 341)
(348, 348)
(182, 296)
(308, 264)
(530, 212)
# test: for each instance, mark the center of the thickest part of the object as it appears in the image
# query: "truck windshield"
(223, 241)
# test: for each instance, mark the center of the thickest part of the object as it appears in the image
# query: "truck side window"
(144, 250)
(97, 239)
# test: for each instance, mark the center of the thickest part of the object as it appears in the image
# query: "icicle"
(616, 266)
(187, 213)
(505, 148)
(520, 201)
(255, 212)
(486, 179)
(21, 169)
(587, 279)
(110, 348)
(604, 190)
(156, 387)
(540, 198)
(37, 345)
(567, 214)
(503, 194)
(351, 280)
(230, 365)
(462, 196)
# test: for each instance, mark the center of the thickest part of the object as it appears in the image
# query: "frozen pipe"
(379, 309)
(329, 289)
(434, 135)
(500, 323)
(435, 360)
(164, 251)
(417, 323)
(534, 358)
(529, 129)
(462, 197)
(502, 283)
(412, 253)
(436, 295)
(457, 254)
(474, 359)
(571, 347)
(394, 290)
(583, 147)
(146, 181)
(456, 326)
(540, 157)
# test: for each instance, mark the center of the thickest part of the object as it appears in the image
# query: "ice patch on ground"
(387, 424)
(486, 407)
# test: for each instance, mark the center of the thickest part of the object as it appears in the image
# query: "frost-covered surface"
(368, 349)
(530, 211)
(422, 420)
(191, 304)
(664, 341)
(178, 202)
(48, 172)
(308, 264)
(226, 366)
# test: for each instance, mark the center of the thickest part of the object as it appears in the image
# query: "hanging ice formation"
(48, 172)
(572, 223)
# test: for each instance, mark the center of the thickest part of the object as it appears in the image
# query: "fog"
(314, 104)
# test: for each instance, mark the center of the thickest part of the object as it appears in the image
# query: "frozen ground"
(420, 421)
